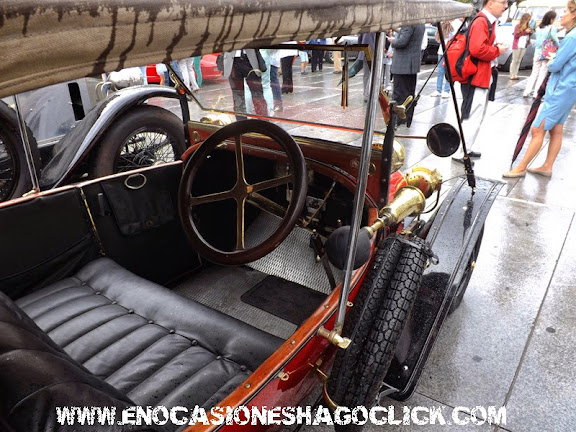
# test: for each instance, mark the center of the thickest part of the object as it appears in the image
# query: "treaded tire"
(463, 284)
(391, 292)
(138, 139)
(14, 176)
(359, 322)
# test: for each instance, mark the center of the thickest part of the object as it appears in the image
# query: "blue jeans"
(441, 72)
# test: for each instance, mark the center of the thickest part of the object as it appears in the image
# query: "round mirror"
(443, 140)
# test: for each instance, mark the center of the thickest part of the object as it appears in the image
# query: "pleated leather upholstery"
(154, 346)
(36, 376)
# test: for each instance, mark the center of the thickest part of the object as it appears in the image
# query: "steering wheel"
(242, 192)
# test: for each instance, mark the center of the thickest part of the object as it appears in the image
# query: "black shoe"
(460, 160)
(474, 154)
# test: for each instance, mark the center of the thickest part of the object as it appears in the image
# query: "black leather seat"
(139, 341)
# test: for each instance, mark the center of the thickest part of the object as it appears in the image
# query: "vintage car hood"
(52, 41)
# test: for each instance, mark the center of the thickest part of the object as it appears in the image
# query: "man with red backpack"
(484, 52)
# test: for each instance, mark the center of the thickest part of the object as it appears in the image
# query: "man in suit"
(406, 64)
(246, 64)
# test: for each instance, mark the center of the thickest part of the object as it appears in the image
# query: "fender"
(452, 237)
(75, 146)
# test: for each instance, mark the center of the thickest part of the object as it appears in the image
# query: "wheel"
(329, 57)
(242, 191)
(382, 307)
(145, 136)
(463, 284)
(14, 175)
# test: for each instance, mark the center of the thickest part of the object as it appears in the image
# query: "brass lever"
(400, 110)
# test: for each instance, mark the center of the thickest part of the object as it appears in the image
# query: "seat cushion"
(156, 347)
(36, 376)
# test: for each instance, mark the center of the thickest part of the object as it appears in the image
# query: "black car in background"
(431, 52)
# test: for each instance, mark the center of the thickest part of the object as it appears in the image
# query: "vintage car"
(282, 256)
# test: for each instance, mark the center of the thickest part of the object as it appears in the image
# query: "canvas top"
(52, 41)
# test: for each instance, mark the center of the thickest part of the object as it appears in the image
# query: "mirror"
(443, 140)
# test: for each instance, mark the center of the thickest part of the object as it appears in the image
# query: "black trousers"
(404, 86)
(287, 83)
(317, 60)
(242, 70)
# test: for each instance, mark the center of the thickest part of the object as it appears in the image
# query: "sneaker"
(304, 72)
(446, 94)
(436, 93)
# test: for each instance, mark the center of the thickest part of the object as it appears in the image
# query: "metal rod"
(467, 162)
(367, 137)
(27, 148)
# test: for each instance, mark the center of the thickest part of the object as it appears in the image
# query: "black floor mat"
(284, 299)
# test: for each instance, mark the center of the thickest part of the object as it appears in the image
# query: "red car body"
(207, 67)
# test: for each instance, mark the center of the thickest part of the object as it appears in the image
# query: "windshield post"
(27, 148)
(358, 205)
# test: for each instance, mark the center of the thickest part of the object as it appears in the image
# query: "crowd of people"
(257, 70)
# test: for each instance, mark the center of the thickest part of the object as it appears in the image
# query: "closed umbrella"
(529, 120)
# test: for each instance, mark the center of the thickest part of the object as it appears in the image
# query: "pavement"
(511, 342)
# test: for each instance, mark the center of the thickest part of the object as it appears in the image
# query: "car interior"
(133, 313)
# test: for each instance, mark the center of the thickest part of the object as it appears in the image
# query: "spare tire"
(145, 136)
(375, 324)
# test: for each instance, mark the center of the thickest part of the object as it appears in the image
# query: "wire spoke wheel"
(146, 148)
(148, 135)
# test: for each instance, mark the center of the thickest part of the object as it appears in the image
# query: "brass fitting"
(334, 337)
(409, 201)
(428, 181)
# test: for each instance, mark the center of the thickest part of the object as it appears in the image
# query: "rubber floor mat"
(284, 299)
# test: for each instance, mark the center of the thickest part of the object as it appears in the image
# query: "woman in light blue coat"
(560, 99)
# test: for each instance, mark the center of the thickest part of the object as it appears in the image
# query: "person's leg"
(542, 72)
(287, 83)
(276, 89)
(303, 61)
(554, 147)
(532, 78)
(255, 84)
(314, 61)
(534, 147)
(320, 59)
(440, 78)
(198, 70)
(412, 91)
(476, 99)
(515, 66)
(387, 81)
(236, 81)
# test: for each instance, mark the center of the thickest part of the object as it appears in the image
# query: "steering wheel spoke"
(240, 224)
(269, 184)
(210, 198)
(239, 159)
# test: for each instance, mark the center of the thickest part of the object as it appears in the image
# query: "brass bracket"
(334, 337)
(283, 376)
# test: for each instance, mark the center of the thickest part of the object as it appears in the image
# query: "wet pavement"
(512, 341)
